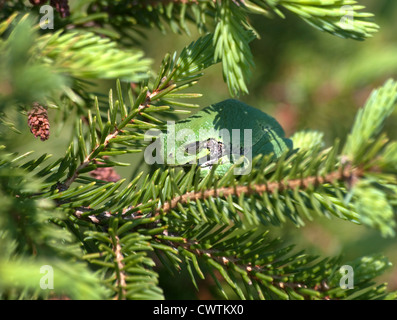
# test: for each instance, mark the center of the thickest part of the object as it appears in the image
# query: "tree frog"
(226, 133)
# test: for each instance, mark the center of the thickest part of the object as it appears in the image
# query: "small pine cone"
(38, 2)
(38, 122)
(62, 6)
(105, 174)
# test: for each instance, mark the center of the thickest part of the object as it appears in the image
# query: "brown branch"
(347, 174)
(90, 158)
(106, 143)
(121, 278)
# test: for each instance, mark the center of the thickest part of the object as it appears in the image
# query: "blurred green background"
(305, 78)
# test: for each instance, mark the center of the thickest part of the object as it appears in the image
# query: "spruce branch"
(99, 148)
(342, 18)
(121, 277)
(231, 38)
(85, 55)
(255, 266)
(346, 175)
(126, 262)
(368, 124)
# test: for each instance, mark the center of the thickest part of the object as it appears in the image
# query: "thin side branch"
(89, 159)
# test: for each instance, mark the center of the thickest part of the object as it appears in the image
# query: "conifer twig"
(346, 174)
(120, 282)
(90, 158)
(226, 261)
